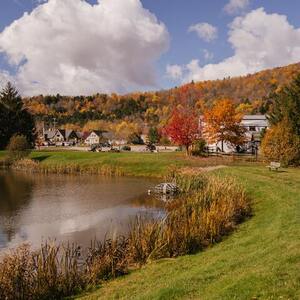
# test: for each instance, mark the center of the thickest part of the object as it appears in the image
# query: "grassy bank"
(261, 260)
(130, 164)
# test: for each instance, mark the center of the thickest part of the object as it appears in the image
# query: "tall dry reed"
(33, 166)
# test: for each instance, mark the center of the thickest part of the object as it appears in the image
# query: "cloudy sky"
(86, 46)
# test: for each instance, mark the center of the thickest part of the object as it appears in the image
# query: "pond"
(35, 207)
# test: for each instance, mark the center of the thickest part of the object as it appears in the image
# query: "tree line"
(14, 117)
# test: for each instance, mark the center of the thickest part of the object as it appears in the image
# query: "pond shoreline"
(221, 203)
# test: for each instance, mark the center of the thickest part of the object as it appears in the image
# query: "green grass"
(2, 154)
(260, 260)
(131, 164)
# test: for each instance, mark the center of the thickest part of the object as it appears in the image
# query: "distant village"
(65, 138)
(101, 140)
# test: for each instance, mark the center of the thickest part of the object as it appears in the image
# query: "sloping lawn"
(260, 260)
(135, 164)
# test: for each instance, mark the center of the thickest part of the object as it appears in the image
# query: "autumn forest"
(252, 94)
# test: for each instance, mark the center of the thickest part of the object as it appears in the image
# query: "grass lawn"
(131, 164)
(137, 164)
(260, 260)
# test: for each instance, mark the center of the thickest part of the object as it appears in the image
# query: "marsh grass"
(34, 166)
(73, 168)
(208, 208)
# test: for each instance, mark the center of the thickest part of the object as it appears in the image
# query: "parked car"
(115, 150)
(126, 148)
(150, 147)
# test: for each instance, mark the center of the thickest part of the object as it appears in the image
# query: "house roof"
(255, 120)
(69, 132)
(62, 132)
(255, 117)
(49, 133)
(99, 133)
(65, 133)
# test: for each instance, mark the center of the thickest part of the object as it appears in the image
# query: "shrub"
(197, 153)
(18, 147)
(26, 164)
(281, 144)
(199, 145)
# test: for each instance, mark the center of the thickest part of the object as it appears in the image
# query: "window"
(252, 128)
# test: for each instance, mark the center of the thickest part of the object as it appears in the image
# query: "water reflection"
(15, 195)
(75, 208)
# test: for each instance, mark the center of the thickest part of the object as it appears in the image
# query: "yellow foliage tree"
(96, 125)
(281, 144)
(223, 124)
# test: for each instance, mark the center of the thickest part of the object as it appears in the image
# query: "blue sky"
(183, 46)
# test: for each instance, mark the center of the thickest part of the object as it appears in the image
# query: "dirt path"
(198, 170)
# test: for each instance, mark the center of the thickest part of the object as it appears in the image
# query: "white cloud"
(208, 55)
(259, 40)
(4, 78)
(236, 6)
(205, 31)
(174, 72)
(72, 47)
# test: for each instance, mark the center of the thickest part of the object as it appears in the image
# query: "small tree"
(199, 147)
(183, 128)
(223, 124)
(153, 135)
(280, 143)
(18, 147)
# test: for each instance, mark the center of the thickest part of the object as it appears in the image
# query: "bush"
(25, 164)
(281, 144)
(18, 147)
(199, 147)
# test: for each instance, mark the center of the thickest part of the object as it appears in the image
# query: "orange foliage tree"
(223, 124)
(183, 127)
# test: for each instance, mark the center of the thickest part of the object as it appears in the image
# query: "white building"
(254, 125)
(94, 138)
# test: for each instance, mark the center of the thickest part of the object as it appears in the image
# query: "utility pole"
(54, 123)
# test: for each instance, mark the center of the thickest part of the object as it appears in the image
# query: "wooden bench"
(274, 166)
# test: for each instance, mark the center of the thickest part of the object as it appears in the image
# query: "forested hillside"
(252, 94)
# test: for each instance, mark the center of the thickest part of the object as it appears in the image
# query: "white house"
(60, 136)
(95, 137)
(254, 125)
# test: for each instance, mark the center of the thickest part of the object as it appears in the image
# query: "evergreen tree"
(14, 118)
(4, 127)
(153, 135)
(286, 106)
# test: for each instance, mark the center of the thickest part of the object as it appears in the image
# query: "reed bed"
(33, 166)
(208, 208)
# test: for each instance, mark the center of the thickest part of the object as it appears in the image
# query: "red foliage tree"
(183, 128)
